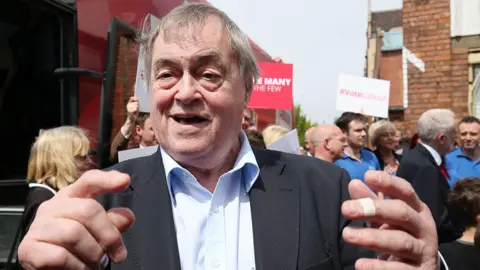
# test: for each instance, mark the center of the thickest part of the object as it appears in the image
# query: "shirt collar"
(245, 161)
(434, 153)
(347, 156)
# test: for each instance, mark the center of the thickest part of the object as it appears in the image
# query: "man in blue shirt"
(464, 161)
(357, 159)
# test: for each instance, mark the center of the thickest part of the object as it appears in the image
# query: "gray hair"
(433, 122)
(377, 129)
(191, 17)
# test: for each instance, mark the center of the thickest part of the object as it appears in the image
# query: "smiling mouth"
(189, 120)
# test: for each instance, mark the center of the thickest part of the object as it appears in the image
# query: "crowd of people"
(213, 196)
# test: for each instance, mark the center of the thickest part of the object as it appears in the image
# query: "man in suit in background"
(424, 167)
(206, 200)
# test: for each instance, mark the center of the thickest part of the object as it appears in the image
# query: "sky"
(321, 38)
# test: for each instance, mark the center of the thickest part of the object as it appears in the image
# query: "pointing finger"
(96, 182)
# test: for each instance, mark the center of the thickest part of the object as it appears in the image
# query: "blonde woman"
(57, 158)
(382, 135)
(273, 133)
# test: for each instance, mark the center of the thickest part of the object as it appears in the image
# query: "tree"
(302, 123)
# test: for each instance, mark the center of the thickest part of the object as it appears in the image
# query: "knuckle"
(71, 232)
(409, 191)
(110, 237)
(404, 214)
(24, 250)
(89, 209)
(59, 257)
(407, 246)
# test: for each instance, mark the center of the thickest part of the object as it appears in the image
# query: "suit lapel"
(275, 202)
(153, 233)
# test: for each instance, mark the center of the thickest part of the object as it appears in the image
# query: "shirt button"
(216, 210)
(216, 264)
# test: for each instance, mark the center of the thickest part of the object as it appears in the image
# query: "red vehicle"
(61, 63)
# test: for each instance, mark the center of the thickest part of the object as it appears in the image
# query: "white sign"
(363, 95)
(141, 90)
(284, 118)
(412, 58)
(288, 143)
(136, 153)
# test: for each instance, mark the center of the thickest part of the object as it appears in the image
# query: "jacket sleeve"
(349, 254)
(119, 143)
(425, 182)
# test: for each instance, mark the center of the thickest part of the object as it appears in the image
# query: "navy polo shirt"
(460, 166)
(358, 169)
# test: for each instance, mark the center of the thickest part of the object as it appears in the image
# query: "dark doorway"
(36, 37)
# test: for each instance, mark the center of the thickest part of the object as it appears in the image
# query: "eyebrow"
(202, 58)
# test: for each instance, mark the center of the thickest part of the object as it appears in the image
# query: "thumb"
(122, 218)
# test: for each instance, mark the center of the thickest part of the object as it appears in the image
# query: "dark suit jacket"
(420, 169)
(296, 218)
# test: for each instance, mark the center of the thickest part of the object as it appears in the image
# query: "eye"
(210, 76)
(165, 75)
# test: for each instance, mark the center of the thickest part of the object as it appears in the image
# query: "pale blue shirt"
(214, 231)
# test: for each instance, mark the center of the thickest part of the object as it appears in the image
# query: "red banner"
(274, 88)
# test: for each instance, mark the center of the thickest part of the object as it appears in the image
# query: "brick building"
(449, 49)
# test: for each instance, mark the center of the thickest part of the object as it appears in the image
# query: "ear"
(138, 130)
(441, 137)
(326, 144)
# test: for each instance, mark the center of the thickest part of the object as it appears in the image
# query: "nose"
(188, 89)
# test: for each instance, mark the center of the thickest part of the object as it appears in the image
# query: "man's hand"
(132, 108)
(406, 231)
(73, 231)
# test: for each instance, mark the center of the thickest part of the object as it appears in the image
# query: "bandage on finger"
(368, 207)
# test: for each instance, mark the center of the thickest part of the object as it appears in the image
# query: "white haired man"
(424, 168)
(206, 200)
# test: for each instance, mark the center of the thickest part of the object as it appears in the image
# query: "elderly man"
(205, 200)
(328, 142)
(424, 167)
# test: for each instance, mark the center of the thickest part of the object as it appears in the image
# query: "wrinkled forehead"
(188, 32)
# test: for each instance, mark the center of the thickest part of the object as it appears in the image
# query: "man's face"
(147, 134)
(198, 95)
(247, 119)
(356, 134)
(337, 143)
(469, 135)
